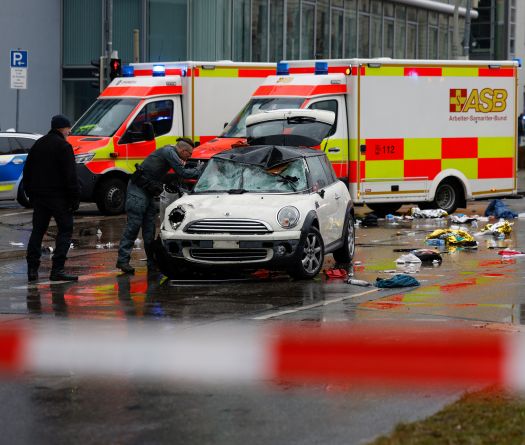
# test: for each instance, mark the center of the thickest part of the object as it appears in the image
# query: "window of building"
(364, 35)
(400, 32)
(322, 32)
(376, 29)
(443, 36)
(259, 31)
(293, 17)
(167, 30)
(308, 30)
(388, 30)
(337, 33)
(432, 35)
(276, 32)
(350, 41)
(241, 30)
(127, 16)
(422, 34)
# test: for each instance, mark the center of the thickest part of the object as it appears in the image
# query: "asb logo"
(485, 101)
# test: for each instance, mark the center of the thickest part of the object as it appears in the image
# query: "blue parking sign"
(18, 58)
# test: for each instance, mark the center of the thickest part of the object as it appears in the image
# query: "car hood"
(249, 205)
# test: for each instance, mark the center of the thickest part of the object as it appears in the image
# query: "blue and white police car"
(14, 148)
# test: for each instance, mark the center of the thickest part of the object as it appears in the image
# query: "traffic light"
(98, 73)
(115, 68)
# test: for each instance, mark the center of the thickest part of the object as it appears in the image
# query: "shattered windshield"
(104, 117)
(234, 177)
(237, 127)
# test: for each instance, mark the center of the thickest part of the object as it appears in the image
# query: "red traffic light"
(115, 68)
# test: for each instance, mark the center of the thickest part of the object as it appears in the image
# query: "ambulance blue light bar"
(283, 69)
(128, 71)
(159, 70)
(321, 68)
(518, 59)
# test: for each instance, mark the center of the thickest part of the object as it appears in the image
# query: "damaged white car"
(269, 206)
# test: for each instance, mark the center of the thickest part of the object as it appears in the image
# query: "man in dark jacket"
(144, 186)
(51, 184)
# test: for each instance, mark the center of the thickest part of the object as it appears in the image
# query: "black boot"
(61, 275)
(32, 273)
(125, 267)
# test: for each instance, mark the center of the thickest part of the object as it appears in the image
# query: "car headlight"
(84, 157)
(176, 217)
(288, 217)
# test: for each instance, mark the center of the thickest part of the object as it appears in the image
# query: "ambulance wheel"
(384, 209)
(447, 196)
(345, 253)
(22, 198)
(111, 196)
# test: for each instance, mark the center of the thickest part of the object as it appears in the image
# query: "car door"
(12, 159)
(326, 205)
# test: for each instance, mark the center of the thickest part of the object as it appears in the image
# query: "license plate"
(226, 244)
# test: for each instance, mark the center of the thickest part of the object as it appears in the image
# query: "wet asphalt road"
(470, 288)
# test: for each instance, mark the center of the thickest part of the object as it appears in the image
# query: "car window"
(25, 144)
(317, 173)
(4, 146)
(328, 105)
(159, 113)
(328, 169)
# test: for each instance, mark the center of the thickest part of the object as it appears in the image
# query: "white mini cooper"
(263, 206)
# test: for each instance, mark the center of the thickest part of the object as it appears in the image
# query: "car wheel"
(111, 196)
(21, 197)
(447, 197)
(310, 256)
(384, 209)
(345, 253)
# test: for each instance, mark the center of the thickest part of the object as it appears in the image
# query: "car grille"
(232, 226)
(227, 255)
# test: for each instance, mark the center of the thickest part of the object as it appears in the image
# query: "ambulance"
(432, 132)
(150, 106)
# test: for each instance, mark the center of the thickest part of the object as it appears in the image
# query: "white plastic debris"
(416, 212)
(408, 258)
(12, 243)
(99, 234)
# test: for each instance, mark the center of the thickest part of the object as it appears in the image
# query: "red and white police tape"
(384, 356)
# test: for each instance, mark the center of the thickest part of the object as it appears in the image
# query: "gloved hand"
(74, 205)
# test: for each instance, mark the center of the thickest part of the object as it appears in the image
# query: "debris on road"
(399, 280)
(502, 228)
(416, 212)
(361, 283)
(12, 243)
(454, 238)
(336, 273)
(408, 258)
(428, 256)
(510, 252)
(499, 209)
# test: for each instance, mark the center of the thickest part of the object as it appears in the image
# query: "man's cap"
(186, 141)
(60, 121)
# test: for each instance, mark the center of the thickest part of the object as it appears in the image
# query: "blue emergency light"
(518, 59)
(128, 71)
(321, 68)
(159, 70)
(282, 69)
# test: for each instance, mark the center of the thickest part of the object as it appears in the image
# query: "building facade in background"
(240, 30)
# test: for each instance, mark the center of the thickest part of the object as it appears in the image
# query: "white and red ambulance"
(425, 131)
(151, 106)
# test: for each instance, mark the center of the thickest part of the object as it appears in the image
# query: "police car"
(14, 148)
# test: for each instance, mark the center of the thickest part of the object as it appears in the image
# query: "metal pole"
(466, 40)
(109, 33)
(17, 108)
(455, 36)
(136, 46)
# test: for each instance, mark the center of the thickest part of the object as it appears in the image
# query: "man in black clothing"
(51, 184)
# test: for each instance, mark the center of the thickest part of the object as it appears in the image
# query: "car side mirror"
(148, 131)
(321, 193)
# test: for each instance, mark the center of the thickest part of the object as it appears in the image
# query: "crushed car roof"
(266, 156)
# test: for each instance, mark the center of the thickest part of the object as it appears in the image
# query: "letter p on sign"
(18, 59)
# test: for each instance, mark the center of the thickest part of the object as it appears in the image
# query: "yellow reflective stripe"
(469, 167)
(6, 187)
(384, 169)
(385, 71)
(496, 147)
(353, 149)
(102, 153)
(219, 72)
(460, 72)
(341, 144)
(166, 140)
(423, 148)
(128, 165)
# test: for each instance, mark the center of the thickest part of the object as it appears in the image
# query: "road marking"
(311, 306)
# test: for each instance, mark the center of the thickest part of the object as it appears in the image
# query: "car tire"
(21, 197)
(382, 209)
(447, 197)
(310, 256)
(111, 196)
(345, 253)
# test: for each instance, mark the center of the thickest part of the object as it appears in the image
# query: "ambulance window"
(317, 173)
(328, 105)
(159, 113)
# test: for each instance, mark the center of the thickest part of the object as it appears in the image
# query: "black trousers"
(43, 210)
